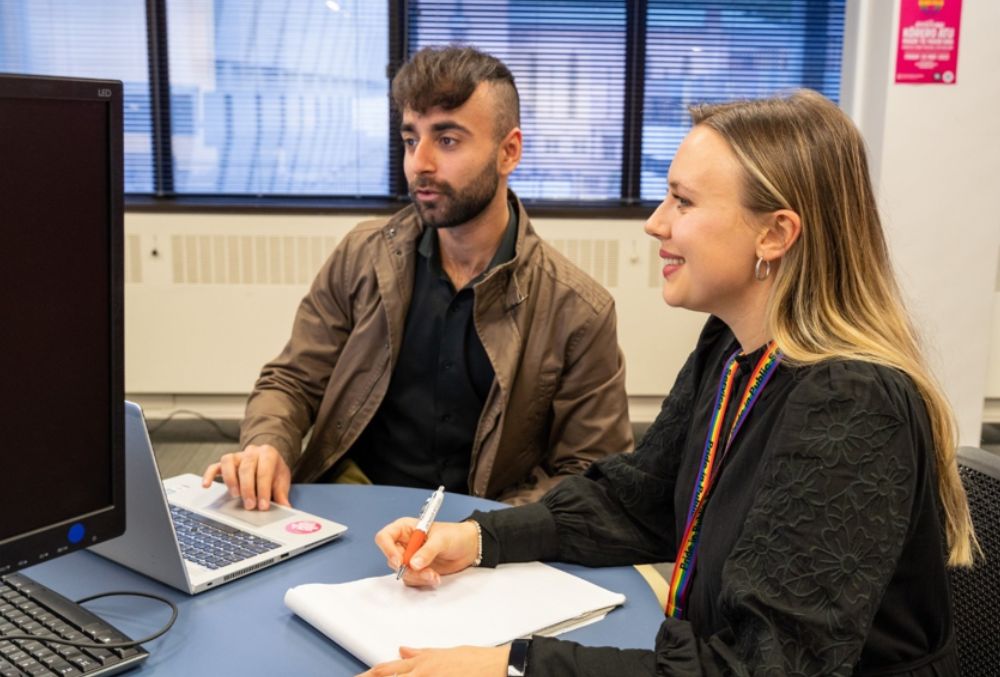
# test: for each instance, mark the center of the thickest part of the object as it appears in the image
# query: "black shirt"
(422, 433)
(821, 549)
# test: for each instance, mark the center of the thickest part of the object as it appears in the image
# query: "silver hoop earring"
(757, 269)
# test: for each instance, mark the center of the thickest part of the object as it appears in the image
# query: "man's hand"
(258, 474)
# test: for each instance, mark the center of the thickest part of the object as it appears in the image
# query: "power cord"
(190, 412)
(106, 645)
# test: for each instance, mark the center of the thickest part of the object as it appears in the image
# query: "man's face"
(451, 160)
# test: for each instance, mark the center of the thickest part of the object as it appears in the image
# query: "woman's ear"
(781, 230)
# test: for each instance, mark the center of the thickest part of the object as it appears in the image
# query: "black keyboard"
(213, 544)
(28, 607)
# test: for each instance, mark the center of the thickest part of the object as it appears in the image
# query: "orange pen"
(419, 535)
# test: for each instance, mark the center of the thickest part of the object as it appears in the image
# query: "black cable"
(106, 645)
(190, 412)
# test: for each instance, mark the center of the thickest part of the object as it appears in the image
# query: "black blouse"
(821, 550)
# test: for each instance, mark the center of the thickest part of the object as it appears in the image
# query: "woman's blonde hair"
(834, 293)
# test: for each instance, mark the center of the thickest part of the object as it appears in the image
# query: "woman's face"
(707, 242)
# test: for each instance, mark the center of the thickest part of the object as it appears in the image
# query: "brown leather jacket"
(558, 398)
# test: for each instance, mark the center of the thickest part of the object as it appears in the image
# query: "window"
(568, 60)
(270, 98)
(89, 40)
(279, 98)
(705, 52)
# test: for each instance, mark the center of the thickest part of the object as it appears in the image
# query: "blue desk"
(244, 628)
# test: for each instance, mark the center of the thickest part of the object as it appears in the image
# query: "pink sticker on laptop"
(303, 527)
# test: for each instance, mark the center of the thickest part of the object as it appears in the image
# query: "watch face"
(517, 663)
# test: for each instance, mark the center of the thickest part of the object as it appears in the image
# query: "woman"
(802, 468)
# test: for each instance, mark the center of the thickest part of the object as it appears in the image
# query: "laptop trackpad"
(233, 508)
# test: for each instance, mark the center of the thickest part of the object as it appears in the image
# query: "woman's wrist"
(477, 543)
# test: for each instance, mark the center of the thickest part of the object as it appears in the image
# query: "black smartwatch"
(517, 663)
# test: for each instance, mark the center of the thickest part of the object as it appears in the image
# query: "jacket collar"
(507, 280)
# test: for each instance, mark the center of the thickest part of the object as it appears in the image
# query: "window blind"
(279, 97)
(285, 98)
(704, 51)
(568, 60)
(97, 39)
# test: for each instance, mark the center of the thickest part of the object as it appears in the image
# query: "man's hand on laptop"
(258, 474)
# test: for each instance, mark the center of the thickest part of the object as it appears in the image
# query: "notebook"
(478, 606)
(194, 538)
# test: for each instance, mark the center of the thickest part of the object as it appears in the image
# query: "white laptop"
(194, 538)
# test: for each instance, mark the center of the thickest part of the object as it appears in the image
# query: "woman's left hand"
(460, 662)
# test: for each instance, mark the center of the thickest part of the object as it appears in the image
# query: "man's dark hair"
(446, 77)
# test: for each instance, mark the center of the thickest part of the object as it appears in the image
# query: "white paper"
(373, 617)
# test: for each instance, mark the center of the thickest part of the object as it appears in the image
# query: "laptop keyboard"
(214, 544)
(28, 607)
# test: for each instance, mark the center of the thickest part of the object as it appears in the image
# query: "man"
(448, 344)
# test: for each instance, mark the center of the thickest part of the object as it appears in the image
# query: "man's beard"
(454, 208)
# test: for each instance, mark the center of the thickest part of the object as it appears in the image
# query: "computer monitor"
(61, 307)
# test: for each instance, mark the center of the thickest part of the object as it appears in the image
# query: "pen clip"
(426, 506)
(430, 510)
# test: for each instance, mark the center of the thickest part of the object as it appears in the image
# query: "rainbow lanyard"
(687, 551)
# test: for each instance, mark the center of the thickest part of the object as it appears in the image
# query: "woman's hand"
(459, 662)
(450, 547)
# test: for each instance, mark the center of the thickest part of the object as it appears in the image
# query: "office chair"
(976, 591)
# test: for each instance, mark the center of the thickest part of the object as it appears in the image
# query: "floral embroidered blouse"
(822, 549)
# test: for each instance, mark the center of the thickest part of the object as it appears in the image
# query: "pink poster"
(928, 42)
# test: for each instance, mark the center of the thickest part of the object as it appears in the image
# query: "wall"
(937, 174)
(217, 298)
